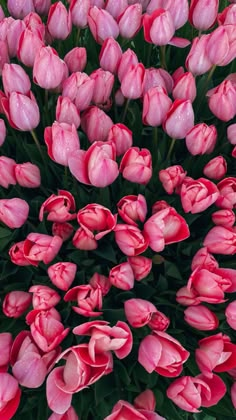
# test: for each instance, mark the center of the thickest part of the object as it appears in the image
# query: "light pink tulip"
(14, 212)
(128, 61)
(140, 312)
(2, 132)
(197, 60)
(88, 299)
(221, 240)
(141, 266)
(58, 207)
(201, 139)
(116, 8)
(79, 12)
(104, 81)
(130, 21)
(122, 276)
(21, 111)
(15, 79)
(76, 59)
(42, 6)
(16, 303)
(130, 239)
(136, 165)
(20, 10)
(156, 104)
(102, 24)
(132, 82)
(30, 42)
(44, 297)
(227, 189)
(203, 13)
(198, 194)
(84, 240)
(179, 119)
(47, 60)
(224, 217)
(222, 101)
(157, 78)
(172, 177)
(216, 168)
(66, 112)
(96, 124)
(121, 137)
(185, 87)
(201, 318)
(96, 220)
(79, 88)
(62, 274)
(10, 395)
(162, 20)
(204, 259)
(62, 141)
(7, 172)
(27, 175)
(132, 209)
(100, 281)
(59, 23)
(110, 55)
(40, 247)
(230, 313)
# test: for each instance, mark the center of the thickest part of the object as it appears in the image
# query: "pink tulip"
(159, 205)
(122, 276)
(42, 6)
(227, 16)
(125, 410)
(20, 10)
(132, 82)
(48, 60)
(88, 299)
(224, 217)
(16, 303)
(179, 10)
(179, 119)
(222, 101)
(132, 209)
(136, 165)
(157, 78)
(102, 25)
(218, 46)
(40, 247)
(4, 55)
(204, 259)
(110, 55)
(221, 240)
(62, 274)
(197, 195)
(141, 266)
(44, 297)
(146, 400)
(76, 59)
(70, 414)
(201, 318)
(233, 394)
(201, 139)
(156, 104)
(2, 132)
(130, 21)
(203, 13)
(15, 79)
(30, 42)
(96, 124)
(64, 230)
(162, 20)
(230, 314)
(10, 395)
(130, 239)
(84, 240)
(21, 111)
(116, 8)
(216, 168)
(62, 140)
(185, 87)
(66, 112)
(5, 349)
(231, 134)
(58, 207)
(227, 189)
(163, 354)
(96, 166)
(16, 254)
(79, 88)
(128, 61)
(104, 81)
(79, 12)
(59, 23)
(100, 281)
(7, 172)
(27, 175)
(197, 60)
(14, 212)
(121, 137)
(96, 220)
(140, 312)
(172, 177)
(33, 21)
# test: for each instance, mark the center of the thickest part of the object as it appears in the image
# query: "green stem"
(170, 149)
(77, 37)
(125, 110)
(33, 134)
(163, 57)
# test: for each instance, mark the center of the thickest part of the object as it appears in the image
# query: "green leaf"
(104, 387)
(106, 252)
(4, 233)
(172, 270)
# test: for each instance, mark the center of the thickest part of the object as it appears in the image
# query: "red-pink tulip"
(132, 209)
(201, 318)
(27, 175)
(103, 282)
(84, 240)
(224, 217)
(110, 55)
(14, 212)
(48, 62)
(5, 349)
(216, 168)
(204, 259)
(96, 220)
(122, 276)
(58, 207)
(40, 247)
(64, 230)
(79, 88)
(203, 13)
(121, 137)
(201, 139)
(88, 299)
(141, 266)
(44, 297)
(62, 274)
(146, 400)
(227, 189)
(16, 303)
(62, 140)
(179, 119)
(198, 194)
(59, 23)
(172, 177)
(10, 395)
(132, 82)
(96, 124)
(102, 24)
(130, 239)
(156, 104)
(221, 240)
(136, 165)
(16, 253)
(76, 59)
(21, 111)
(7, 172)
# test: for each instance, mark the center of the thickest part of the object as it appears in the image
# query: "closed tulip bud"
(103, 84)
(218, 45)
(172, 178)
(7, 172)
(122, 276)
(130, 21)
(156, 104)
(203, 13)
(39, 247)
(146, 401)
(62, 274)
(136, 165)
(128, 61)
(141, 266)
(13, 212)
(30, 43)
(96, 124)
(179, 119)
(222, 101)
(59, 23)
(132, 209)
(27, 175)
(201, 318)
(2, 132)
(201, 139)
(62, 140)
(15, 79)
(66, 112)
(230, 314)
(130, 239)
(227, 188)
(204, 259)
(16, 303)
(110, 55)
(21, 111)
(76, 59)
(224, 217)
(79, 88)
(42, 6)
(132, 82)
(116, 8)
(102, 24)
(16, 253)
(20, 10)
(13, 36)
(84, 240)
(64, 230)
(221, 240)
(179, 10)
(162, 20)
(33, 21)
(48, 60)
(231, 134)
(157, 78)
(197, 60)
(79, 12)
(5, 349)
(4, 58)
(139, 312)
(44, 297)
(216, 168)
(185, 87)
(121, 137)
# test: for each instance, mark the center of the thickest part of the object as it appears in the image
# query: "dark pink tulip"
(15, 79)
(40, 247)
(197, 60)
(13, 212)
(84, 240)
(128, 61)
(156, 104)
(185, 87)
(146, 400)
(157, 78)
(10, 395)
(233, 394)
(79, 12)
(95, 167)
(201, 139)
(66, 112)
(221, 240)
(96, 220)
(16, 303)
(16, 253)
(201, 318)
(121, 137)
(136, 165)
(30, 42)
(230, 314)
(198, 194)
(5, 349)
(227, 189)
(98, 280)
(203, 13)
(130, 239)
(217, 388)
(21, 111)
(224, 217)
(116, 8)
(216, 168)
(122, 276)
(132, 209)
(14, 32)
(58, 207)
(179, 119)
(76, 59)
(20, 10)
(141, 266)
(103, 84)
(2, 132)
(222, 101)
(27, 175)
(102, 24)
(110, 55)
(159, 205)
(204, 259)
(163, 354)
(62, 274)
(59, 23)
(130, 21)
(42, 6)
(62, 141)
(88, 299)
(96, 124)
(172, 177)
(162, 20)
(79, 88)
(64, 230)
(47, 60)
(7, 172)
(44, 297)
(132, 82)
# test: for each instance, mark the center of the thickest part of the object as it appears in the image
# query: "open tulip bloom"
(117, 209)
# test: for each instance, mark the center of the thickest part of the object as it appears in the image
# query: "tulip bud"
(121, 137)
(84, 240)
(141, 266)
(231, 134)
(116, 8)
(102, 24)
(136, 165)
(27, 175)
(162, 20)
(39, 247)
(13, 212)
(201, 139)
(230, 314)
(79, 88)
(79, 12)
(66, 112)
(216, 168)
(129, 60)
(201, 318)
(122, 276)
(42, 6)
(130, 239)
(185, 87)
(76, 59)
(130, 21)
(96, 124)
(197, 60)
(59, 23)
(132, 82)
(7, 172)
(16, 303)
(15, 79)
(21, 111)
(179, 119)
(30, 42)
(20, 10)
(222, 102)
(62, 140)
(203, 13)
(156, 104)
(110, 55)
(103, 84)
(47, 60)
(224, 217)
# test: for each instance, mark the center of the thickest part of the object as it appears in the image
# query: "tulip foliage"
(117, 210)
